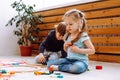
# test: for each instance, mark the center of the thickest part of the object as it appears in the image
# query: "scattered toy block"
(98, 67)
(41, 73)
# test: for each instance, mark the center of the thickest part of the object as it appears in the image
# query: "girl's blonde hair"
(76, 15)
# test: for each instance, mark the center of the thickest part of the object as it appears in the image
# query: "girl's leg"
(75, 67)
(57, 62)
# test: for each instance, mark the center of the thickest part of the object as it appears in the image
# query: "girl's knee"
(50, 62)
(81, 69)
(77, 69)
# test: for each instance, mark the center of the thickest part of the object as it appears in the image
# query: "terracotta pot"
(26, 50)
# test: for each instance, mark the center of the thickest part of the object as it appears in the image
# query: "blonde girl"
(77, 44)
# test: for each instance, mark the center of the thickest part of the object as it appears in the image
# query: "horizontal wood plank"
(42, 33)
(35, 52)
(109, 58)
(108, 49)
(103, 13)
(105, 58)
(82, 7)
(103, 21)
(35, 46)
(93, 57)
(47, 26)
(52, 19)
(105, 40)
(93, 22)
(89, 15)
(111, 30)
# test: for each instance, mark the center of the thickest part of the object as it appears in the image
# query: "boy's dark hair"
(61, 28)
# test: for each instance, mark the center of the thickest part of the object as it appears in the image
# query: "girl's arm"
(89, 48)
(66, 45)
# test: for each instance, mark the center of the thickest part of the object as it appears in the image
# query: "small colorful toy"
(12, 72)
(3, 71)
(56, 76)
(51, 70)
(44, 73)
(98, 67)
(59, 76)
(5, 62)
(5, 75)
(41, 73)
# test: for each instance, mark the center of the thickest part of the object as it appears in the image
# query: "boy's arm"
(66, 45)
(63, 53)
(42, 47)
(44, 43)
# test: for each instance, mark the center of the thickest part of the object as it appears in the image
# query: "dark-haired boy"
(52, 46)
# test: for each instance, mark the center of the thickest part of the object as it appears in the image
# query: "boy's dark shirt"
(52, 44)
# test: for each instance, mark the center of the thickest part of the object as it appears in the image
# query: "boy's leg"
(54, 55)
(38, 57)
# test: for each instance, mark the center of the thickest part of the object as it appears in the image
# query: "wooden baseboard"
(105, 57)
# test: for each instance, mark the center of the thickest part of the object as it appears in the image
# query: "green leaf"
(25, 14)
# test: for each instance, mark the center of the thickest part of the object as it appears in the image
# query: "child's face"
(72, 26)
(59, 36)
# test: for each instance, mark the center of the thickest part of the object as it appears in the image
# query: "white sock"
(55, 67)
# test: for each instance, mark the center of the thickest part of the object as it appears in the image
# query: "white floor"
(110, 71)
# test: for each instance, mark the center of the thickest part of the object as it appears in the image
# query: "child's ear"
(80, 22)
(80, 25)
(56, 30)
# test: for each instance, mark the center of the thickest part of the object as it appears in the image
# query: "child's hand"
(42, 58)
(67, 44)
(74, 48)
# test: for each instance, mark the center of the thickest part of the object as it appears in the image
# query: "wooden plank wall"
(103, 20)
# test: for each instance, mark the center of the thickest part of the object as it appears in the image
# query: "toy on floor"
(45, 73)
(5, 62)
(18, 66)
(9, 68)
(98, 67)
(56, 76)
(53, 75)
(41, 73)
(51, 71)
(5, 75)
(3, 71)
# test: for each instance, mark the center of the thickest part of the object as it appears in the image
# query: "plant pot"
(26, 50)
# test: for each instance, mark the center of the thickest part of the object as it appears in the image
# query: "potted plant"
(26, 24)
